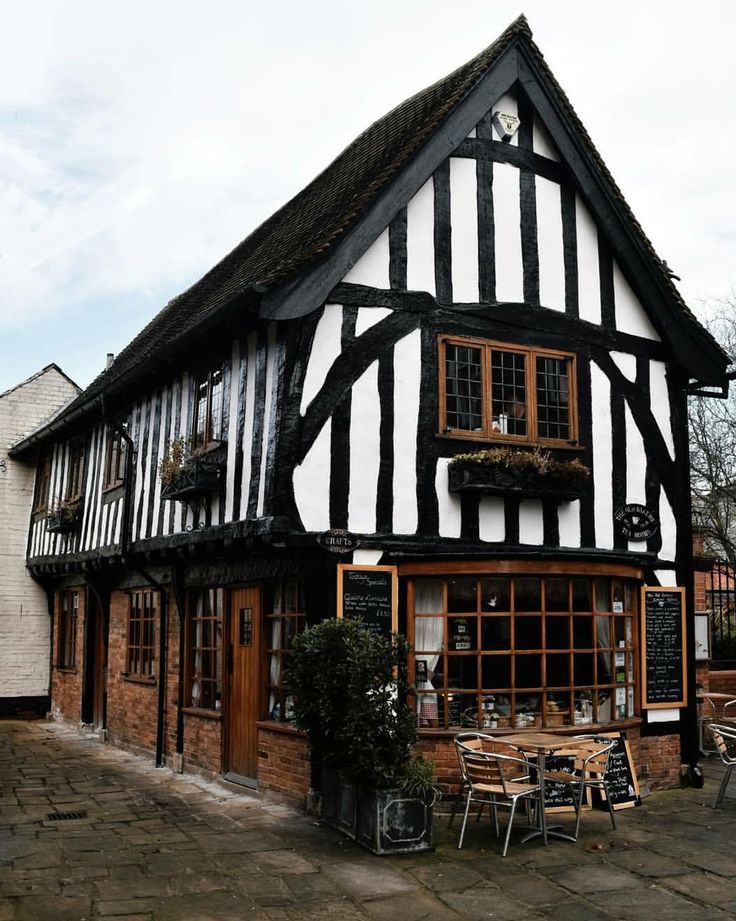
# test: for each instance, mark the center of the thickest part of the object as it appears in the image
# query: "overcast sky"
(139, 142)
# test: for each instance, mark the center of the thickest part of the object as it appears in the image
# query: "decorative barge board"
(454, 353)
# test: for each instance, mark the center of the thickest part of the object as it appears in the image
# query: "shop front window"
(204, 647)
(523, 650)
(285, 618)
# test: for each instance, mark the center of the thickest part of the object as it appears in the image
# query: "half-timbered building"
(455, 353)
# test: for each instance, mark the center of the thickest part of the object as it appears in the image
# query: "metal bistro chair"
(474, 741)
(497, 779)
(589, 772)
(724, 737)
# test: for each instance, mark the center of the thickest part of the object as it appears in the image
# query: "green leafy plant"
(350, 688)
(419, 779)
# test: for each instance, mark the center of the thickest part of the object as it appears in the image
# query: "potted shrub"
(531, 473)
(350, 690)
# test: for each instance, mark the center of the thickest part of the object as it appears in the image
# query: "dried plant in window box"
(535, 473)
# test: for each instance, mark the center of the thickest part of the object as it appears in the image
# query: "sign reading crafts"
(370, 593)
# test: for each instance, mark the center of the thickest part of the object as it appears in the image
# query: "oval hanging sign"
(636, 522)
(338, 541)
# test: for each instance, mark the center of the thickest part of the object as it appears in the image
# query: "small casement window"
(75, 477)
(494, 391)
(142, 615)
(283, 606)
(43, 483)
(115, 460)
(67, 645)
(204, 648)
(207, 421)
(526, 650)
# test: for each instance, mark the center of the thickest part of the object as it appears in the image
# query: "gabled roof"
(316, 223)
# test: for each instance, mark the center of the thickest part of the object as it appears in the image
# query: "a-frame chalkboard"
(370, 593)
(621, 775)
(663, 680)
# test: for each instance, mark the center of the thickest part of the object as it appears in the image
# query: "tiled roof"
(302, 232)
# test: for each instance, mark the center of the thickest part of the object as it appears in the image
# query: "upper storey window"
(43, 483)
(115, 460)
(75, 480)
(207, 422)
(490, 390)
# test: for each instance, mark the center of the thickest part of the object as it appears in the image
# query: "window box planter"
(382, 821)
(64, 519)
(198, 476)
(508, 471)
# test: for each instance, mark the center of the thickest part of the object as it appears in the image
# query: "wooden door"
(244, 685)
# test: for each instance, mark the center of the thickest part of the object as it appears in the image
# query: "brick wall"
(283, 762)
(66, 685)
(24, 618)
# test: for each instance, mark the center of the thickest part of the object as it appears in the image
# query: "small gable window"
(115, 460)
(207, 421)
(494, 391)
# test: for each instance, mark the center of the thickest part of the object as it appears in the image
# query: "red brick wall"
(66, 685)
(656, 759)
(283, 762)
(203, 742)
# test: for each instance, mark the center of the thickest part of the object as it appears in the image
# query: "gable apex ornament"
(506, 125)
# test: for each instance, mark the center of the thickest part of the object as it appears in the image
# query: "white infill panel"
(448, 503)
(507, 219)
(668, 528)
(372, 267)
(464, 220)
(312, 484)
(365, 452)
(531, 522)
(369, 316)
(660, 402)
(630, 315)
(543, 143)
(326, 347)
(626, 364)
(162, 439)
(568, 522)
(407, 376)
(589, 282)
(492, 519)
(420, 240)
(272, 363)
(179, 522)
(551, 253)
(636, 469)
(602, 458)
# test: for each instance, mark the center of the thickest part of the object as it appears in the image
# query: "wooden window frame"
(42, 489)
(486, 433)
(115, 460)
(291, 623)
(66, 647)
(212, 436)
(75, 477)
(620, 671)
(213, 682)
(140, 656)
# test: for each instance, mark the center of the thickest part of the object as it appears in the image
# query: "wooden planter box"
(496, 479)
(382, 821)
(64, 520)
(198, 477)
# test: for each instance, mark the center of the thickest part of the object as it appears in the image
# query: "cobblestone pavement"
(156, 846)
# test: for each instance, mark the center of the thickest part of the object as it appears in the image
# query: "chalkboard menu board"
(621, 775)
(663, 648)
(370, 593)
(558, 797)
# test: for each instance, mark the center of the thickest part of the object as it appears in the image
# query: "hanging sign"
(663, 648)
(370, 593)
(338, 541)
(636, 522)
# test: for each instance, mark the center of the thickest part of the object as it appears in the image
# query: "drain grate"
(66, 816)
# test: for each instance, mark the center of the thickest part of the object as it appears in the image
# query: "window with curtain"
(207, 421)
(498, 392)
(285, 618)
(523, 650)
(205, 648)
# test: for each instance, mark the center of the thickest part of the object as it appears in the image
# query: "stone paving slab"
(156, 846)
